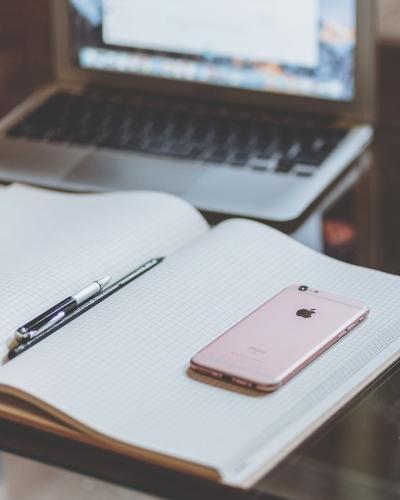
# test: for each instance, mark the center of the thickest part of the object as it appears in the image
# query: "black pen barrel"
(66, 305)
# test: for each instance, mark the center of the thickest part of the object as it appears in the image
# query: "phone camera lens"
(303, 288)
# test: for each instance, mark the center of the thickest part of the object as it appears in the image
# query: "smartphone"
(277, 340)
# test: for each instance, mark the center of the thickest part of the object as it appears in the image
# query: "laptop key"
(239, 159)
(316, 159)
(294, 150)
(180, 149)
(285, 165)
(263, 164)
(217, 156)
(259, 168)
(57, 134)
(156, 145)
(134, 144)
(196, 152)
(317, 147)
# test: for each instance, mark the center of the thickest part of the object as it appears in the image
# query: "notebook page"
(124, 365)
(55, 244)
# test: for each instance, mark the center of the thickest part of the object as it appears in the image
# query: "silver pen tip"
(104, 281)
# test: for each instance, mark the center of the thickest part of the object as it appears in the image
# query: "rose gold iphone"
(280, 338)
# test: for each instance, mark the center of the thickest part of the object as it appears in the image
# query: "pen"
(66, 306)
(19, 349)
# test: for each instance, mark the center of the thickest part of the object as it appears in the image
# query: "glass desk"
(355, 455)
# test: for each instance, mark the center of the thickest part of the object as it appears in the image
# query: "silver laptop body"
(170, 62)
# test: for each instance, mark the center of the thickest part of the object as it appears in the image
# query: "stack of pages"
(117, 376)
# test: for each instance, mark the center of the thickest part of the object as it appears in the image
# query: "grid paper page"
(124, 365)
(55, 244)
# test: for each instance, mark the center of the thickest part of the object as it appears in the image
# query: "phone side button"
(348, 329)
(243, 383)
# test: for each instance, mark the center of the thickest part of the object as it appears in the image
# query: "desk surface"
(356, 454)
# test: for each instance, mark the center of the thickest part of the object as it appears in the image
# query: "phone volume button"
(241, 382)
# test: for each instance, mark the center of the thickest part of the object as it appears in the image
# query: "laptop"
(244, 107)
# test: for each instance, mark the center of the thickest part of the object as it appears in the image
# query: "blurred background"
(352, 228)
(26, 63)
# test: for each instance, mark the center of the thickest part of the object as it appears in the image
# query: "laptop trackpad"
(136, 171)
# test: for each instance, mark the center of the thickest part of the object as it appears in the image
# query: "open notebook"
(118, 377)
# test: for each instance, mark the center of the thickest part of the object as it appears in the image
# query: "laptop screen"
(304, 48)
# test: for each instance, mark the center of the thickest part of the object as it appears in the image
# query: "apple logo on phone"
(305, 313)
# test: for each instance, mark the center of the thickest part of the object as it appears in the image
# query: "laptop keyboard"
(166, 128)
